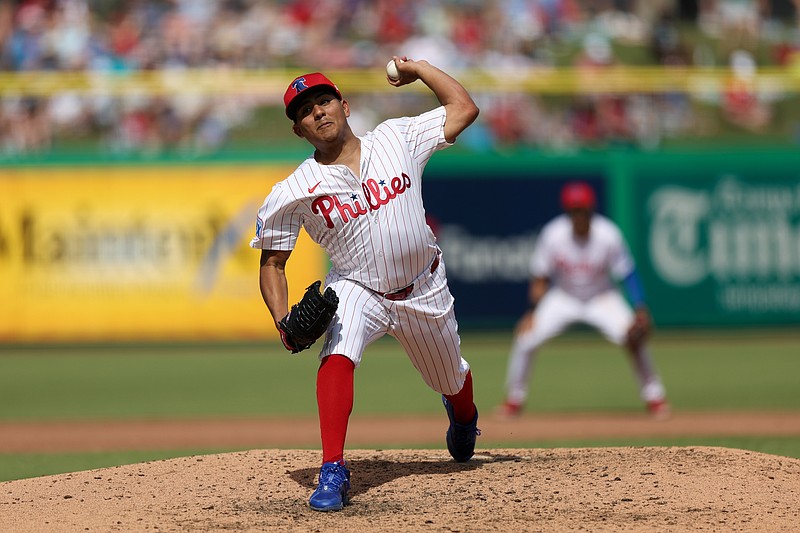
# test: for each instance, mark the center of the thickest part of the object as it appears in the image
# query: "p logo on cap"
(299, 84)
(291, 98)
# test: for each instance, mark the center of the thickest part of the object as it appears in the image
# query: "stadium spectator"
(146, 35)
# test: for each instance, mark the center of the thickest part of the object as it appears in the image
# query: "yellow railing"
(270, 84)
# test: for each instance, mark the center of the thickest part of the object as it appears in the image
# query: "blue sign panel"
(487, 226)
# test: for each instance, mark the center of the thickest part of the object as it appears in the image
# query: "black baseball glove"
(308, 318)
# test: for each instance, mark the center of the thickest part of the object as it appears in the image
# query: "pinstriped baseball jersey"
(373, 227)
(582, 269)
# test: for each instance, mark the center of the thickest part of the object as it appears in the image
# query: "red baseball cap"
(301, 84)
(577, 195)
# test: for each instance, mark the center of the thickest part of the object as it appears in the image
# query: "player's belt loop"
(403, 293)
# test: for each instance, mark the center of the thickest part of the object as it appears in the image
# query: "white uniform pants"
(608, 312)
(424, 324)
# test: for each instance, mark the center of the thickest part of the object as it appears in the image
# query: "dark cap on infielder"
(301, 84)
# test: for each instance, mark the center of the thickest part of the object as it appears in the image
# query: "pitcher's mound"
(591, 489)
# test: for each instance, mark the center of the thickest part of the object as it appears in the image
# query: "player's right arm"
(536, 289)
(273, 284)
(460, 107)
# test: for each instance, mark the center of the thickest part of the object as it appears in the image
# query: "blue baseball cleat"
(334, 482)
(461, 437)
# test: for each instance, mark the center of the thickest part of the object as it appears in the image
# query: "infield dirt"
(587, 489)
(641, 489)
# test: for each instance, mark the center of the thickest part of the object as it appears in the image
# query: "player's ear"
(346, 108)
(297, 131)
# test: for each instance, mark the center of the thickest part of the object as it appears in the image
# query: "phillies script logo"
(376, 194)
(581, 268)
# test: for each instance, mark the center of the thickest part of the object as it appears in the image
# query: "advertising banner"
(721, 247)
(144, 252)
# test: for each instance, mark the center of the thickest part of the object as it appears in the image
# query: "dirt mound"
(591, 489)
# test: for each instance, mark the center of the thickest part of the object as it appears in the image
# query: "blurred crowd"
(143, 35)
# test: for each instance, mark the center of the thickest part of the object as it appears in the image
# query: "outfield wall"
(716, 234)
(128, 251)
(121, 252)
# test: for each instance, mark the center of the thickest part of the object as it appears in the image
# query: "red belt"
(402, 294)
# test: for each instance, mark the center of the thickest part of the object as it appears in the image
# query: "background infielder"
(578, 260)
(360, 198)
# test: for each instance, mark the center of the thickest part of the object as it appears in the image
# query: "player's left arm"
(623, 265)
(642, 322)
(635, 290)
(460, 108)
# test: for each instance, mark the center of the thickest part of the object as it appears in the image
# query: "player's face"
(581, 220)
(321, 117)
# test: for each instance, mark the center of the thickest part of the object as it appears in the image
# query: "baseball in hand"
(391, 70)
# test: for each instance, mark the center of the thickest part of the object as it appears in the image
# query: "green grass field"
(731, 370)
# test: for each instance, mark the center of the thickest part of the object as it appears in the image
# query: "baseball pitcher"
(360, 198)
